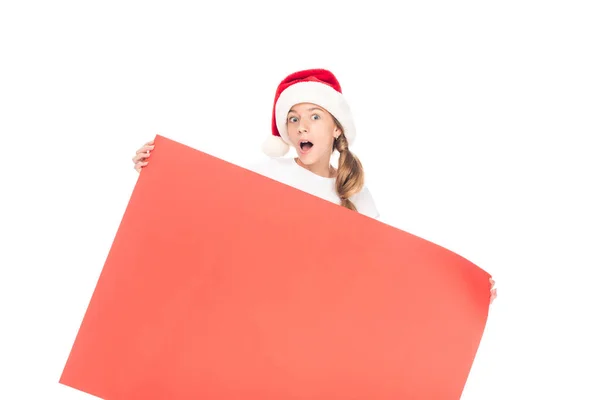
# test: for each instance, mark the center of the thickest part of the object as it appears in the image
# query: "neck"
(321, 168)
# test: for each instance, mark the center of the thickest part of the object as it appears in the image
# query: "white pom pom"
(274, 146)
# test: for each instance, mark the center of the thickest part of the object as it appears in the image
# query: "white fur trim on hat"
(317, 93)
(274, 146)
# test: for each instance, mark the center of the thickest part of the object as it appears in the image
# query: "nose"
(302, 129)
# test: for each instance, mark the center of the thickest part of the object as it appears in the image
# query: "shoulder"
(365, 203)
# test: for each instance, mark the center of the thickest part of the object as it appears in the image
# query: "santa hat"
(317, 86)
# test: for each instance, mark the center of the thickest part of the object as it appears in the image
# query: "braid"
(350, 174)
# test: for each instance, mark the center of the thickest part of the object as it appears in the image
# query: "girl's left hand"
(493, 293)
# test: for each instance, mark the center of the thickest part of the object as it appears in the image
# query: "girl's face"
(312, 131)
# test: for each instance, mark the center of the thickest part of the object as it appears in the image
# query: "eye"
(316, 116)
(293, 119)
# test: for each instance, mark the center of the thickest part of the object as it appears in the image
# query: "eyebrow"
(310, 109)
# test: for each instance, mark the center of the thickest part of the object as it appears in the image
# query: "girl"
(311, 115)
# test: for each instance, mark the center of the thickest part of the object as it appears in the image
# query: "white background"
(478, 126)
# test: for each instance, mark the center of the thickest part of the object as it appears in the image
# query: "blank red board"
(223, 284)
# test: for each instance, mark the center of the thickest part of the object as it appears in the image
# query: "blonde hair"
(350, 174)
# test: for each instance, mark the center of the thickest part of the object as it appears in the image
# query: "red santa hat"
(317, 86)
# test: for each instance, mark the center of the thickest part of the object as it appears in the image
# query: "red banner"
(223, 284)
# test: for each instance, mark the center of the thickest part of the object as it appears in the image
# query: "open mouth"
(305, 146)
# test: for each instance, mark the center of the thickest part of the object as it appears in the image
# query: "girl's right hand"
(140, 159)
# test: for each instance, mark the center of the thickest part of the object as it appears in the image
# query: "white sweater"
(287, 171)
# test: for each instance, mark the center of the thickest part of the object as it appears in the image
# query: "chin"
(307, 159)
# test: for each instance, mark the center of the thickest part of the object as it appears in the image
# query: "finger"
(138, 166)
(140, 157)
(145, 149)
